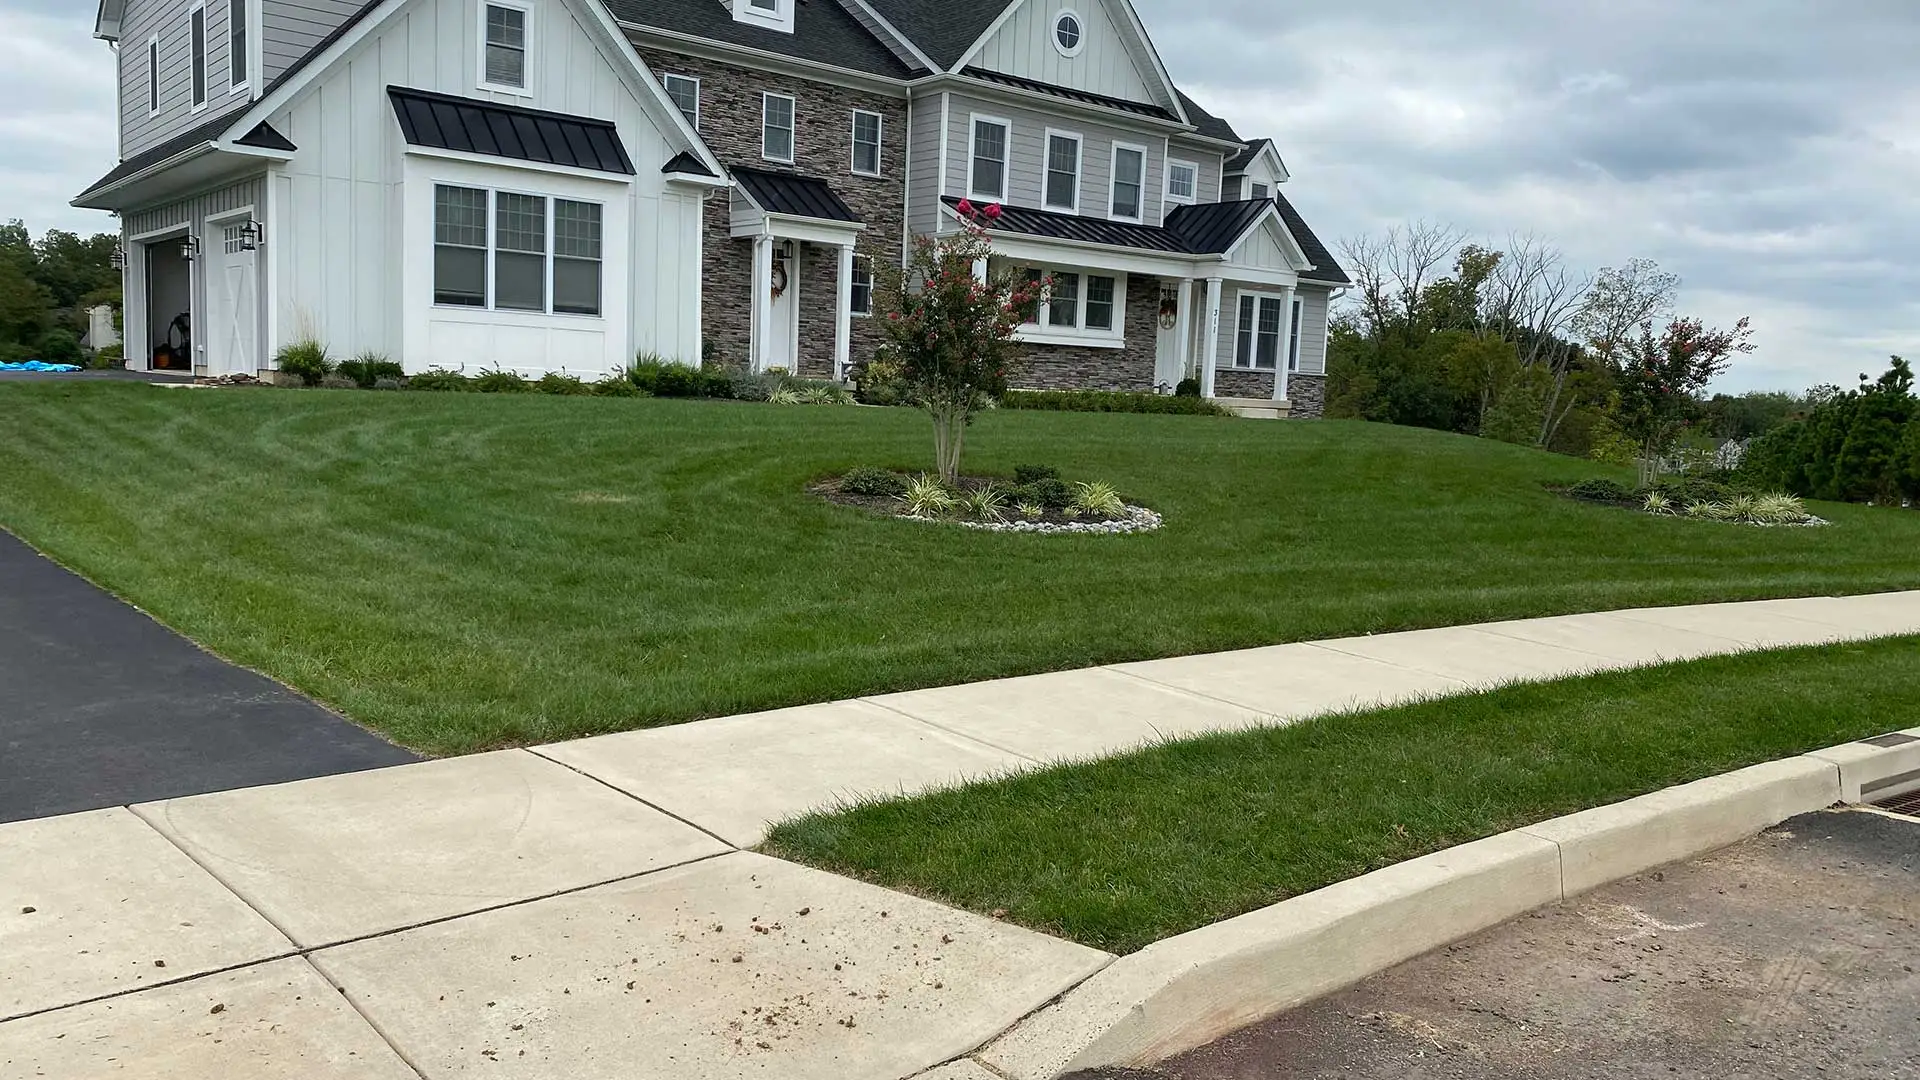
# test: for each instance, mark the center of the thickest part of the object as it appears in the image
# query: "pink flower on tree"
(992, 211)
(965, 206)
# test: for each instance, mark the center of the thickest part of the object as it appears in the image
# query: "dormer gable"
(1094, 46)
(766, 14)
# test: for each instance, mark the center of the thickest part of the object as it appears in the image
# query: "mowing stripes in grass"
(1120, 853)
(463, 571)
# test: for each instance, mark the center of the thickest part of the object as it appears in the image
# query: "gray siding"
(195, 210)
(1313, 331)
(170, 19)
(1026, 155)
(1211, 163)
(923, 164)
(290, 28)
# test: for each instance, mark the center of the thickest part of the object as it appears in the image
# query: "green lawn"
(470, 571)
(1122, 852)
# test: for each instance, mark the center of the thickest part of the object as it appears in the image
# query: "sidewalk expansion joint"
(656, 807)
(937, 726)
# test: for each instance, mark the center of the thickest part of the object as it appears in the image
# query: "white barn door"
(233, 308)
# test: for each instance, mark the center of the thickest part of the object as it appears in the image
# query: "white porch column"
(762, 302)
(1211, 355)
(843, 314)
(1183, 327)
(1286, 341)
(980, 271)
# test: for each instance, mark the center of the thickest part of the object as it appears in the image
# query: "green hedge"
(1115, 401)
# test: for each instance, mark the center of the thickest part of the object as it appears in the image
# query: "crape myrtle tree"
(1660, 377)
(948, 328)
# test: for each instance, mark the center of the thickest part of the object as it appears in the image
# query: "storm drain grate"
(1908, 804)
(1890, 740)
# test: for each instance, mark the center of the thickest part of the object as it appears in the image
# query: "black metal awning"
(445, 122)
(793, 195)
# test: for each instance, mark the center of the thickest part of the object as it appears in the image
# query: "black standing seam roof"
(793, 195)
(1206, 229)
(266, 137)
(1139, 108)
(685, 162)
(508, 131)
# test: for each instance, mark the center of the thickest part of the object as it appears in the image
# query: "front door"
(784, 313)
(1167, 368)
(233, 312)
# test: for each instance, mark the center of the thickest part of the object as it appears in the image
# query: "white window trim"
(527, 40)
(246, 8)
(1053, 33)
(1182, 200)
(153, 76)
(492, 306)
(853, 312)
(206, 87)
(879, 143)
(793, 128)
(1292, 344)
(1113, 179)
(1079, 168)
(780, 18)
(1256, 295)
(696, 93)
(974, 120)
(1042, 332)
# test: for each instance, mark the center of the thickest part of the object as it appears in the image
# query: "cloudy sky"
(1768, 151)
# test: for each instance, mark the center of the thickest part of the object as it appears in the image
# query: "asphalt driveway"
(102, 706)
(1792, 955)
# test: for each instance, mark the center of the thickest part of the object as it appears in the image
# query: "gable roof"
(1213, 228)
(823, 32)
(793, 195)
(1249, 151)
(942, 29)
(1325, 268)
(265, 136)
(204, 133)
(473, 126)
(686, 163)
(1208, 124)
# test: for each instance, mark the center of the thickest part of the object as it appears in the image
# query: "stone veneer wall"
(823, 147)
(1242, 383)
(1069, 367)
(1308, 393)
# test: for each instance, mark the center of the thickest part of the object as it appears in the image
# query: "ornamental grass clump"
(949, 330)
(927, 497)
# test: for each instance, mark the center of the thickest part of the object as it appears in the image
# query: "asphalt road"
(1792, 955)
(102, 706)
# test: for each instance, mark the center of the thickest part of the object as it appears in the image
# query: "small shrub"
(743, 385)
(1601, 489)
(1029, 474)
(62, 346)
(1709, 511)
(500, 381)
(1778, 509)
(869, 481)
(1112, 401)
(1030, 511)
(987, 503)
(818, 392)
(109, 356)
(559, 382)
(369, 368)
(784, 396)
(1693, 489)
(1051, 492)
(927, 497)
(1657, 503)
(1189, 387)
(616, 385)
(666, 378)
(439, 380)
(1098, 498)
(306, 360)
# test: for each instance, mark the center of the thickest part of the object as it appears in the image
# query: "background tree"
(46, 287)
(949, 330)
(1660, 377)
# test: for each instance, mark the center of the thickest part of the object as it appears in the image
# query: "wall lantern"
(252, 235)
(119, 257)
(190, 247)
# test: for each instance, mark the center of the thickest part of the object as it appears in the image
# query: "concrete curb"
(1187, 990)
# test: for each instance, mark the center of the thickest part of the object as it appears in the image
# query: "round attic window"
(1067, 33)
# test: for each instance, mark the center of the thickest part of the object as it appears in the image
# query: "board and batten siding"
(1026, 155)
(172, 21)
(340, 203)
(1104, 64)
(291, 28)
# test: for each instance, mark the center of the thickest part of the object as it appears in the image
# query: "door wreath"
(779, 278)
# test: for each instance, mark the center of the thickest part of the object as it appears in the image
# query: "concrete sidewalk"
(585, 910)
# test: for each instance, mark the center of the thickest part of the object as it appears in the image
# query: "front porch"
(802, 280)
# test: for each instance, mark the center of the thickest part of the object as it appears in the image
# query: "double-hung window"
(866, 143)
(1183, 182)
(862, 291)
(987, 171)
(510, 251)
(1078, 305)
(1257, 342)
(504, 46)
(197, 53)
(1261, 191)
(237, 44)
(1063, 171)
(776, 128)
(684, 91)
(1129, 181)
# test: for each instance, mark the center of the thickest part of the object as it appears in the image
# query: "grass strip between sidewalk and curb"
(1122, 852)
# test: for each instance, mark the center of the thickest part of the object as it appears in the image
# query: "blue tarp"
(39, 365)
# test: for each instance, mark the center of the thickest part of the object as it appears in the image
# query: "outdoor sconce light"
(119, 257)
(252, 235)
(190, 248)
